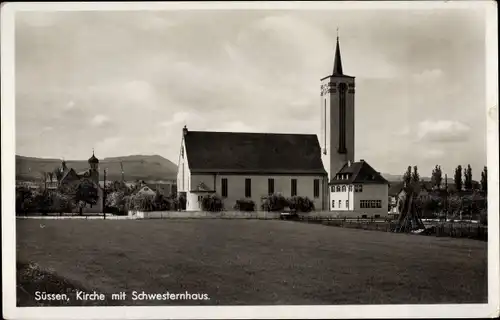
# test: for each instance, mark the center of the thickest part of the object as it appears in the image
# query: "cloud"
(183, 118)
(99, 120)
(442, 131)
(403, 131)
(236, 126)
(118, 93)
(427, 75)
(108, 146)
(432, 153)
(70, 105)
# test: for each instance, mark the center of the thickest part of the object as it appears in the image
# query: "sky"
(126, 83)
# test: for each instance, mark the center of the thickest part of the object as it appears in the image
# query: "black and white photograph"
(250, 160)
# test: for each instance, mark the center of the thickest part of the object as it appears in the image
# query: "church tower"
(94, 168)
(337, 117)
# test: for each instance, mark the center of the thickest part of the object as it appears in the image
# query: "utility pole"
(446, 197)
(123, 173)
(104, 194)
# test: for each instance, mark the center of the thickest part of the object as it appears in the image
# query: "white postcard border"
(226, 312)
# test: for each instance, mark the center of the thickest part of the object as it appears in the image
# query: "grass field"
(255, 262)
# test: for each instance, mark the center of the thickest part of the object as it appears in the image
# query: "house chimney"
(184, 130)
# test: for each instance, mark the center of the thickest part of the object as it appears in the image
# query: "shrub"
(244, 205)
(60, 203)
(301, 204)
(163, 203)
(25, 200)
(212, 203)
(42, 202)
(116, 203)
(181, 201)
(141, 202)
(483, 217)
(274, 202)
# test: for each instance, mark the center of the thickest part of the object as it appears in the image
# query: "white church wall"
(259, 188)
(183, 172)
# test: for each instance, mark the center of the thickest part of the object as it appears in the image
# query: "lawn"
(256, 262)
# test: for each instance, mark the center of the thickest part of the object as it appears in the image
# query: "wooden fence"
(439, 229)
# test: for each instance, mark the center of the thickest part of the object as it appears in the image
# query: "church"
(237, 165)
(68, 177)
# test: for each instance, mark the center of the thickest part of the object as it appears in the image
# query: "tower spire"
(337, 64)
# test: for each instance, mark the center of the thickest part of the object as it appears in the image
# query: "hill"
(136, 167)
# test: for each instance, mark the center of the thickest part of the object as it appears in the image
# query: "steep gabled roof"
(69, 173)
(358, 172)
(202, 187)
(234, 152)
(395, 188)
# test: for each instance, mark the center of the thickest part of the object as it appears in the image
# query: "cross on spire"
(337, 64)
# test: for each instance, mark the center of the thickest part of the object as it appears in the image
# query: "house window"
(343, 188)
(200, 199)
(224, 187)
(347, 203)
(294, 187)
(316, 188)
(270, 186)
(332, 188)
(333, 204)
(338, 188)
(358, 188)
(248, 188)
(340, 203)
(350, 187)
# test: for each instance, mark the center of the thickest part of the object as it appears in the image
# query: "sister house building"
(237, 165)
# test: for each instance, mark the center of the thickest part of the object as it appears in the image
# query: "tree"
(484, 180)
(407, 176)
(437, 177)
(83, 193)
(454, 205)
(468, 178)
(60, 202)
(415, 177)
(116, 201)
(458, 178)
(57, 173)
(24, 199)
